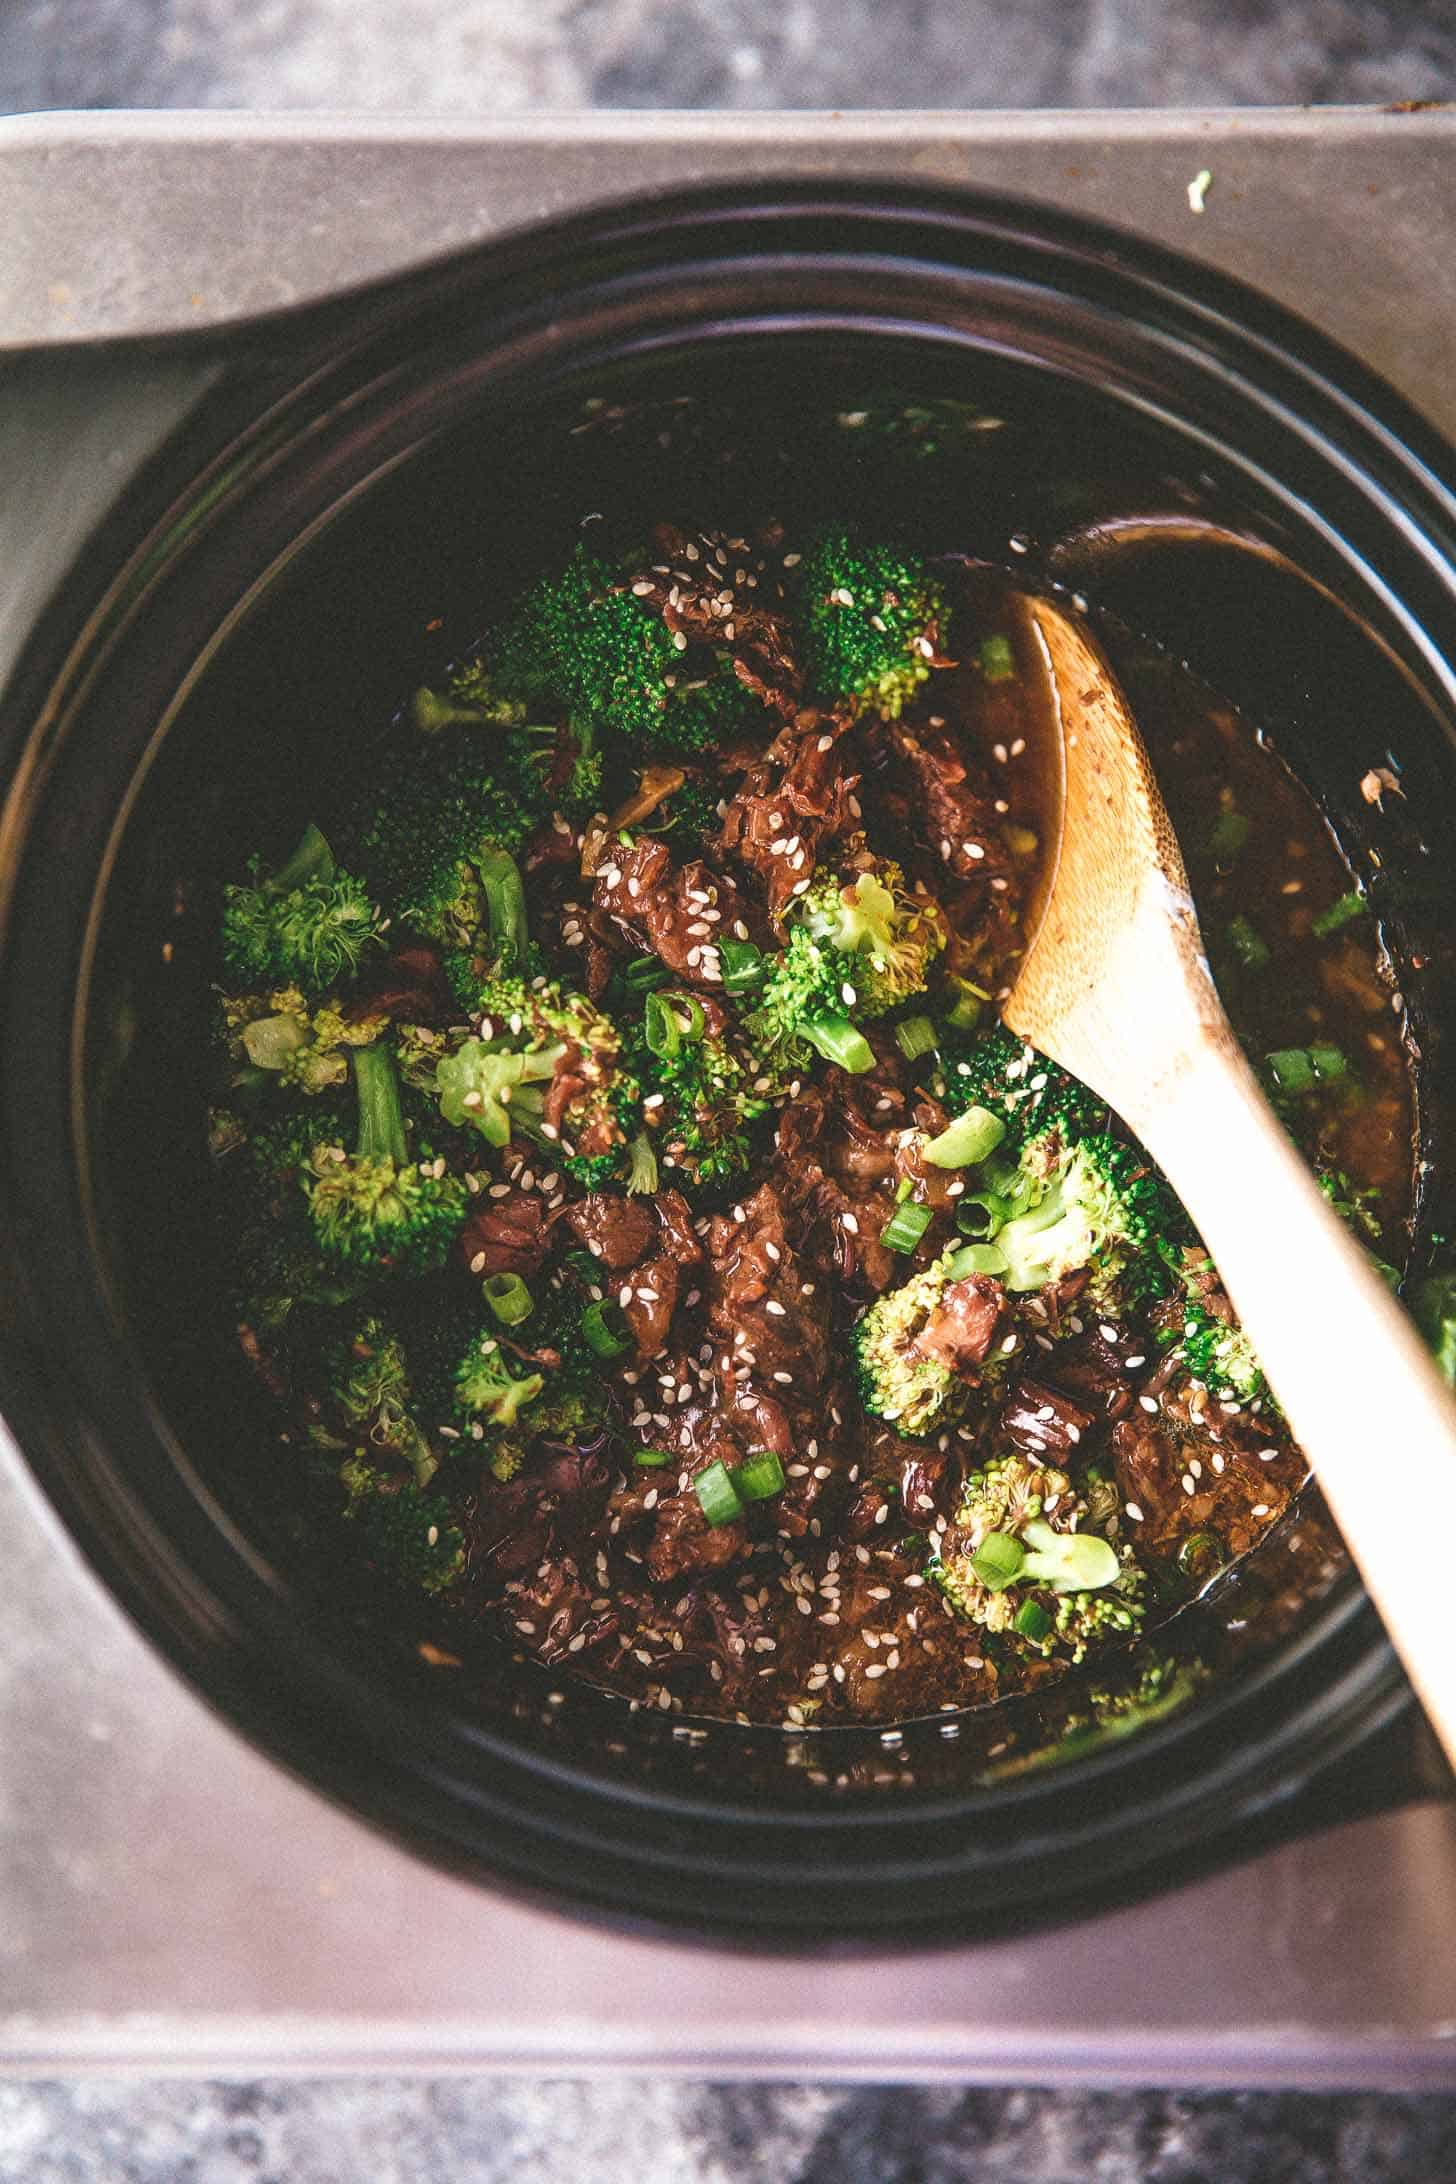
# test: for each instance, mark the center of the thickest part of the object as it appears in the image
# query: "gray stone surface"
(463, 2131)
(473, 56)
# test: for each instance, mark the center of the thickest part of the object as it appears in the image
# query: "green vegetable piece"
(977, 1259)
(1248, 943)
(1341, 912)
(1068, 1561)
(1032, 1621)
(996, 659)
(905, 1227)
(606, 1328)
(759, 1476)
(717, 1494)
(652, 1459)
(1434, 1304)
(998, 1561)
(508, 1297)
(916, 1036)
(837, 1039)
(1228, 835)
(1201, 1556)
(742, 964)
(968, 1140)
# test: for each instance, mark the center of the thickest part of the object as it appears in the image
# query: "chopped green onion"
(1201, 1556)
(1229, 833)
(1248, 943)
(1340, 912)
(605, 1326)
(905, 1227)
(998, 661)
(741, 963)
(1291, 1069)
(965, 1013)
(653, 1459)
(660, 1026)
(980, 1213)
(1032, 1620)
(837, 1039)
(717, 1495)
(1329, 1063)
(916, 1036)
(977, 1259)
(970, 1138)
(643, 973)
(997, 1561)
(508, 1297)
(759, 1475)
(1068, 1561)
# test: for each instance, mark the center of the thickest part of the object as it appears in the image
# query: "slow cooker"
(1209, 469)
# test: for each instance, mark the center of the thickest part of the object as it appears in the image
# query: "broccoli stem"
(311, 860)
(505, 902)
(381, 1119)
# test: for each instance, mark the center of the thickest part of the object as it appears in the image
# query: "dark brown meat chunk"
(506, 1235)
(945, 799)
(713, 590)
(792, 802)
(615, 1229)
(1044, 1422)
(678, 915)
(961, 1333)
(770, 1323)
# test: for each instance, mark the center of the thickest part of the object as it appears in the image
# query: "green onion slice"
(836, 1038)
(671, 1021)
(1248, 943)
(1291, 1069)
(980, 1213)
(605, 1326)
(652, 1459)
(1228, 834)
(741, 963)
(977, 1259)
(965, 1013)
(1342, 911)
(916, 1036)
(717, 1494)
(1329, 1063)
(643, 973)
(508, 1297)
(969, 1139)
(997, 1561)
(759, 1475)
(1032, 1620)
(998, 661)
(905, 1227)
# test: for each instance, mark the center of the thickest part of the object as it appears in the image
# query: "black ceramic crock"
(1047, 394)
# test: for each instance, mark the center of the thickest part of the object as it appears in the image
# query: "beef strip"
(678, 914)
(505, 1235)
(792, 803)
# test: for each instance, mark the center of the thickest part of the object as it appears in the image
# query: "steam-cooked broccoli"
(367, 1385)
(408, 1535)
(1098, 1204)
(699, 1102)
(376, 1210)
(869, 621)
(304, 1046)
(533, 1038)
(308, 925)
(1025, 1091)
(1221, 1355)
(856, 948)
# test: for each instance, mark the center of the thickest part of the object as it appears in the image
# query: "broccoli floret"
(304, 1047)
(409, 1535)
(699, 1095)
(497, 1083)
(901, 1379)
(1355, 1203)
(1085, 1620)
(706, 712)
(1097, 1203)
(308, 924)
(488, 1392)
(1021, 1088)
(368, 1385)
(584, 642)
(1222, 1357)
(280, 1147)
(375, 1210)
(868, 619)
(1021, 1558)
(882, 938)
(855, 949)
(437, 834)
(694, 815)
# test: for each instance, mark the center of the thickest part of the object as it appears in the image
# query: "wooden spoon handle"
(1354, 1379)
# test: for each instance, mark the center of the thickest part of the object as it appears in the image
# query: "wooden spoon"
(1116, 987)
